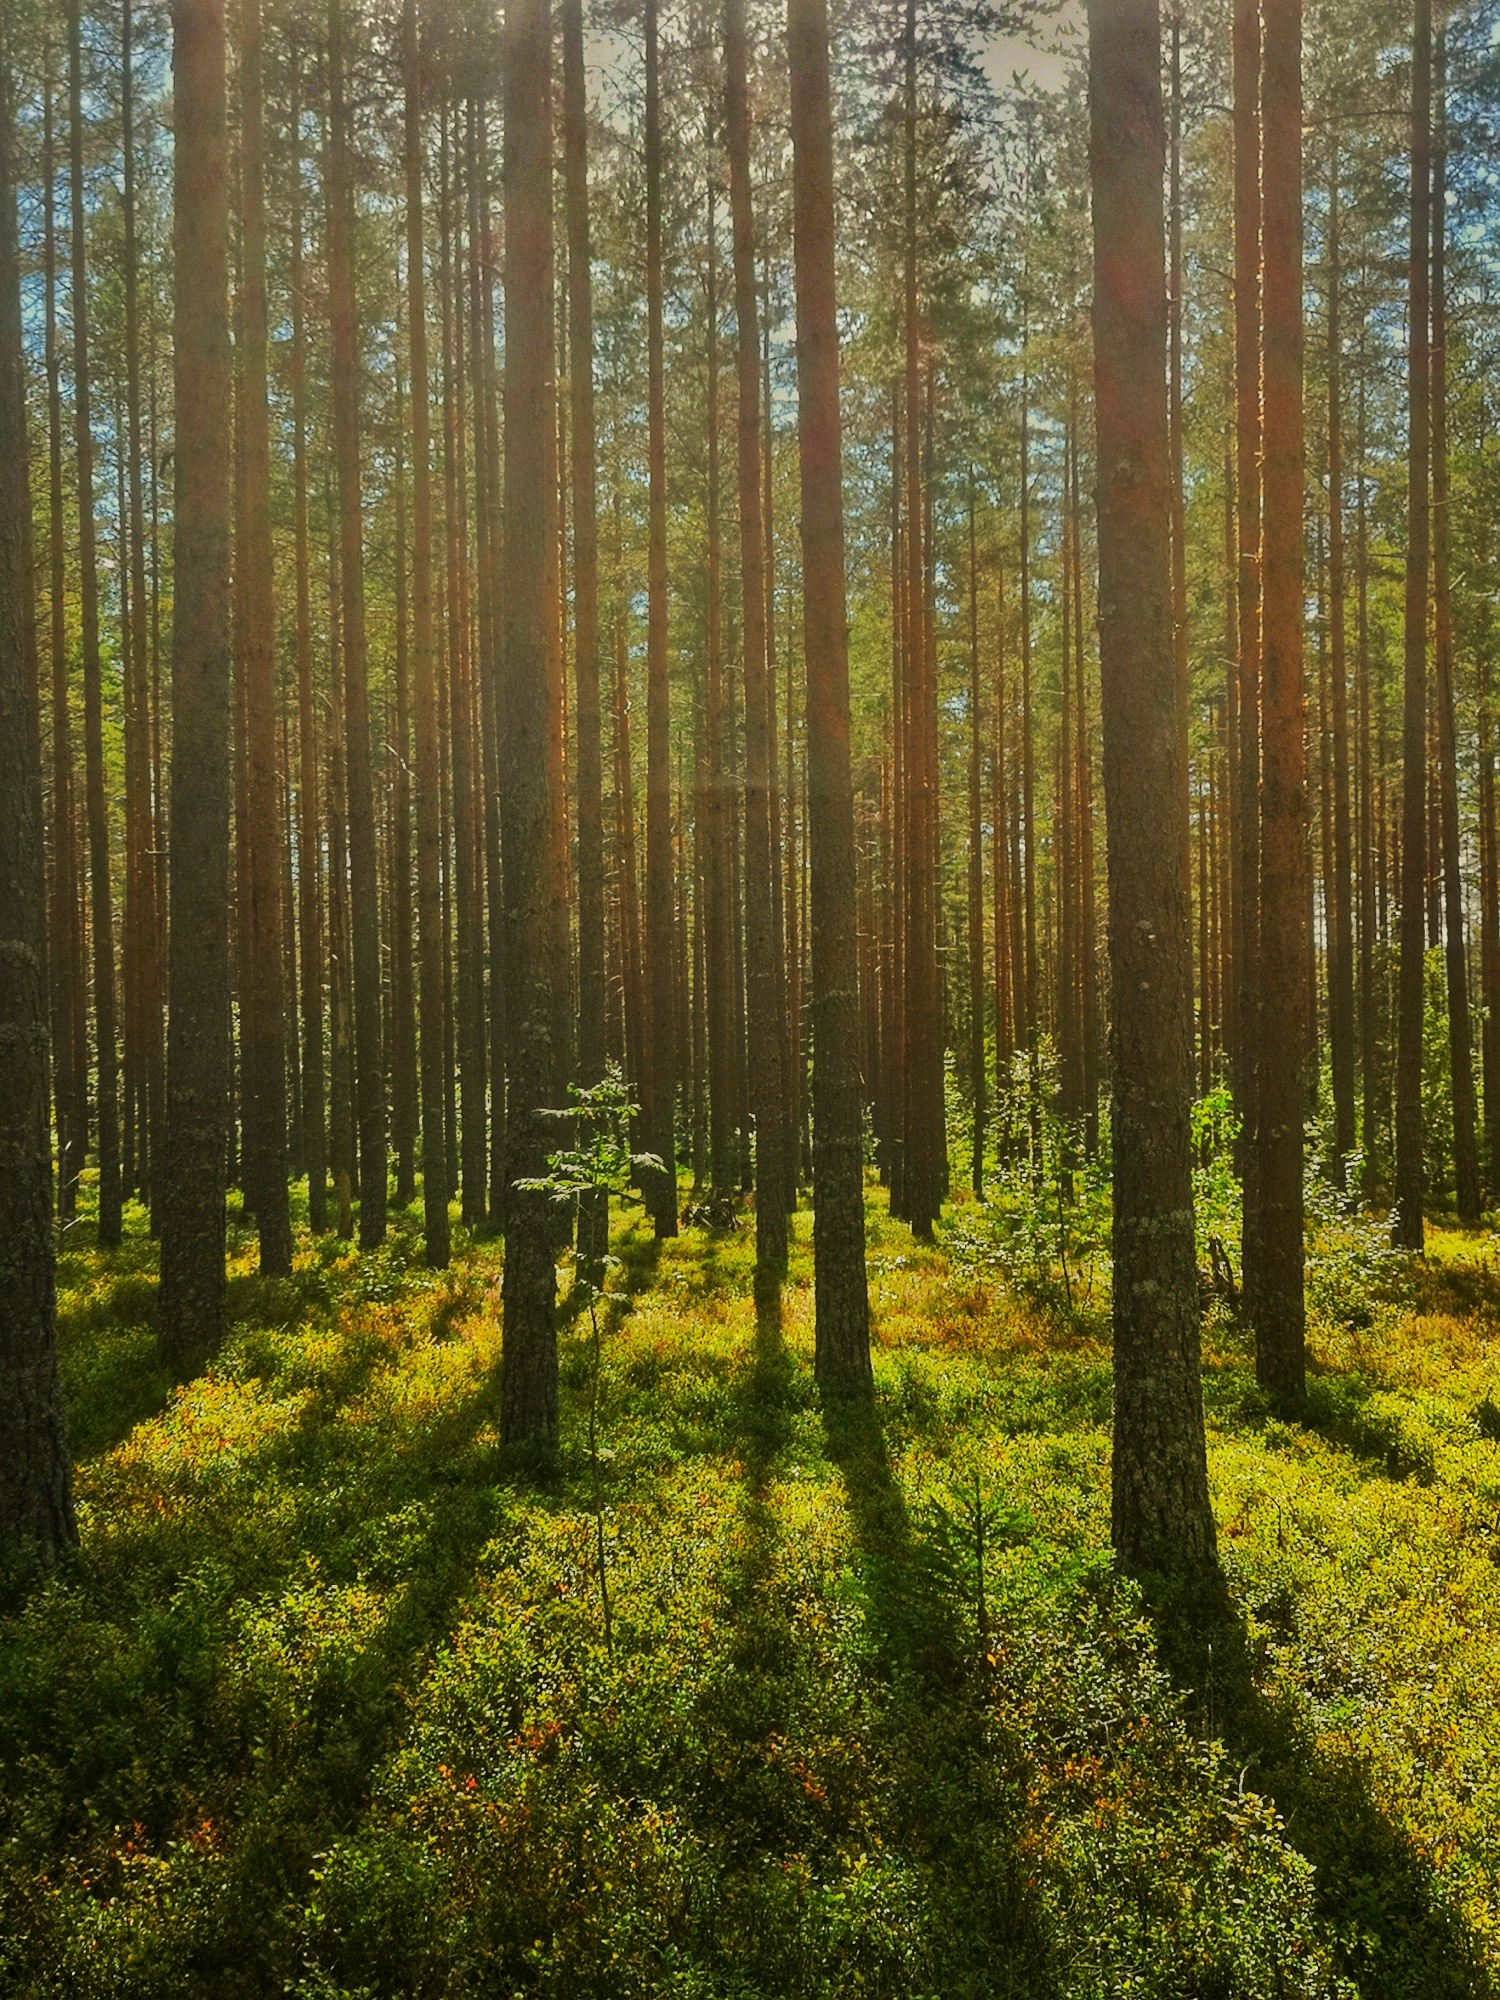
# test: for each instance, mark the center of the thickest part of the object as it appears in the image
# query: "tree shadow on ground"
(913, 1618)
(1464, 1288)
(1397, 1937)
(383, 1501)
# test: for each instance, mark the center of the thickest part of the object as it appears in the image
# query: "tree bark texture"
(1160, 1512)
(1410, 1189)
(1277, 1308)
(528, 1376)
(841, 1300)
(193, 1292)
(36, 1504)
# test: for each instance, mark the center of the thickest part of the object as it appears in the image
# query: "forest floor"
(326, 1706)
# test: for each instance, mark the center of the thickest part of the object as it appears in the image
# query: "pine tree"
(764, 1000)
(36, 1505)
(193, 1291)
(431, 928)
(1161, 1518)
(528, 1380)
(96, 806)
(841, 1299)
(1407, 1218)
(369, 1070)
(262, 1007)
(661, 1070)
(1277, 1309)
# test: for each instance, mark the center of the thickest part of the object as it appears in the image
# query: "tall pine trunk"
(1406, 1220)
(262, 1011)
(309, 857)
(96, 808)
(976, 868)
(841, 1300)
(193, 1291)
(36, 1504)
(1161, 1518)
(1460, 1031)
(403, 1013)
(591, 924)
(141, 925)
(763, 996)
(1277, 1309)
(70, 1065)
(1245, 1069)
(1341, 898)
(432, 940)
(661, 1091)
(369, 1071)
(528, 1377)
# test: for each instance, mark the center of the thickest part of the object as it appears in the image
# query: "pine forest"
(750, 999)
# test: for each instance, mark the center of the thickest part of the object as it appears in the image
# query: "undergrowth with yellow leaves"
(324, 1704)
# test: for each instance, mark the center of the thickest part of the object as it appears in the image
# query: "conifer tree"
(841, 1299)
(36, 1505)
(193, 1291)
(1160, 1512)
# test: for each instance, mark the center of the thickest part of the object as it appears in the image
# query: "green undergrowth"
(324, 1705)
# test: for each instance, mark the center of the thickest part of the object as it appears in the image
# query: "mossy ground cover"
(324, 1705)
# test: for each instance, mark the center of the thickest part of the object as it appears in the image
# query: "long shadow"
(742, 1789)
(912, 1628)
(346, 1496)
(639, 1254)
(764, 1404)
(319, 1787)
(1396, 1937)
(957, 1820)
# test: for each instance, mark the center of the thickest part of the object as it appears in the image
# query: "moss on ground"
(324, 1705)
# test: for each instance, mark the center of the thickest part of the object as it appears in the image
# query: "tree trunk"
(1341, 925)
(1027, 1025)
(193, 1290)
(65, 955)
(101, 902)
(591, 927)
(764, 997)
(261, 998)
(661, 1070)
(369, 1072)
(309, 858)
(632, 999)
(1489, 893)
(489, 1004)
(36, 1502)
(716, 913)
(1460, 1033)
(1407, 1220)
(432, 939)
(922, 1170)
(403, 1030)
(528, 1377)
(1246, 807)
(144, 998)
(976, 870)
(1371, 1059)
(1005, 1010)
(1175, 436)
(1161, 1518)
(468, 974)
(1277, 1310)
(341, 1134)
(841, 1301)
